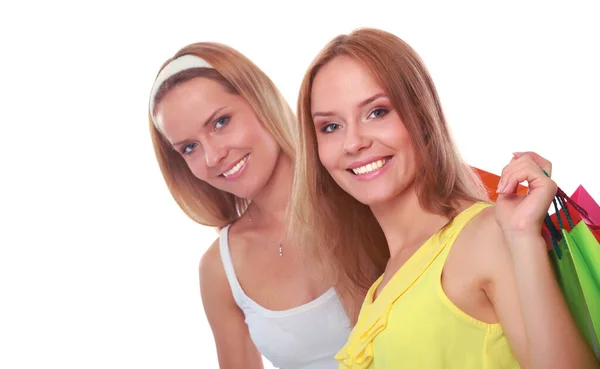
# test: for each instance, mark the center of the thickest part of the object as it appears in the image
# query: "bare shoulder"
(485, 241)
(214, 286)
(213, 280)
(484, 231)
(211, 263)
(217, 297)
(235, 348)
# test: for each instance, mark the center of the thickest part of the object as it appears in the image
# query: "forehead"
(190, 103)
(194, 94)
(343, 79)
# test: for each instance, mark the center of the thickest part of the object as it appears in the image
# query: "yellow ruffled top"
(413, 324)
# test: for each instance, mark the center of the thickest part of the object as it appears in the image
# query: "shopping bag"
(491, 180)
(575, 257)
(574, 251)
(577, 212)
(585, 200)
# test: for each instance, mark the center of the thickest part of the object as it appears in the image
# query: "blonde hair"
(338, 231)
(239, 75)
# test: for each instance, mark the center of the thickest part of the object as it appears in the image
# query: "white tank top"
(303, 337)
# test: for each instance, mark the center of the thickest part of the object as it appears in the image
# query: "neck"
(405, 223)
(270, 205)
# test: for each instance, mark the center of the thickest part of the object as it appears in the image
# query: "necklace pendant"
(280, 249)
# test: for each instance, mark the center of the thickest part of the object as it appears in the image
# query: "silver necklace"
(280, 244)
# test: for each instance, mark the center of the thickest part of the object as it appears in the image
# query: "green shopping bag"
(575, 256)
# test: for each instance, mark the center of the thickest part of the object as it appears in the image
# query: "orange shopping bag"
(491, 180)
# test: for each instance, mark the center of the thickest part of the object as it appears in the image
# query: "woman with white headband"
(222, 134)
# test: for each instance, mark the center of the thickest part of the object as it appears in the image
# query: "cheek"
(258, 137)
(397, 136)
(403, 146)
(327, 154)
(197, 166)
(266, 143)
(255, 134)
(407, 145)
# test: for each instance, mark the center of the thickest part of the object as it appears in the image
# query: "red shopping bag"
(577, 213)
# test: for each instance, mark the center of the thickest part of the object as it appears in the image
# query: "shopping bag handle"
(556, 234)
(565, 198)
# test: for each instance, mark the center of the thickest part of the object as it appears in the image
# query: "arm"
(529, 304)
(553, 338)
(524, 291)
(235, 349)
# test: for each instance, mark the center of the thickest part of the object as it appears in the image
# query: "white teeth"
(237, 167)
(369, 167)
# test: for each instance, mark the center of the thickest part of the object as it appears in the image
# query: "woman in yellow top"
(468, 285)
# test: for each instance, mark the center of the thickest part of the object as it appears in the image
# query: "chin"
(373, 199)
(379, 191)
(246, 193)
(248, 190)
(370, 197)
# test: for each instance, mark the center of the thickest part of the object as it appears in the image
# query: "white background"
(98, 266)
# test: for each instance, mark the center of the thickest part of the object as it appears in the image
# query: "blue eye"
(378, 113)
(222, 122)
(328, 128)
(188, 148)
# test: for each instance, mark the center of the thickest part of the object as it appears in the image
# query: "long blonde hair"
(338, 231)
(239, 75)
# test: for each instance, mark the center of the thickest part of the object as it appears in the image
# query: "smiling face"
(362, 142)
(219, 136)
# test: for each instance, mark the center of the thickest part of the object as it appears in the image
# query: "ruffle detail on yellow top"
(357, 353)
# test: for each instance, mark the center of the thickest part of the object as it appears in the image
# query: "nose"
(355, 140)
(213, 154)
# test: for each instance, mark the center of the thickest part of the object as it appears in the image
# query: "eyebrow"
(208, 120)
(361, 105)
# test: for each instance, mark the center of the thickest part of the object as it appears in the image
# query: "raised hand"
(523, 215)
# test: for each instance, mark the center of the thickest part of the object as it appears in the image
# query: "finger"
(524, 171)
(511, 185)
(542, 162)
(507, 182)
(513, 165)
(508, 185)
(517, 157)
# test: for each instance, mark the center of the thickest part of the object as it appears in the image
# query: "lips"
(369, 165)
(236, 167)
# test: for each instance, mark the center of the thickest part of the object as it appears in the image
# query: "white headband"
(175, 66)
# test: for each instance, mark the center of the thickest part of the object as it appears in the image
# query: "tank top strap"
(234, 284)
